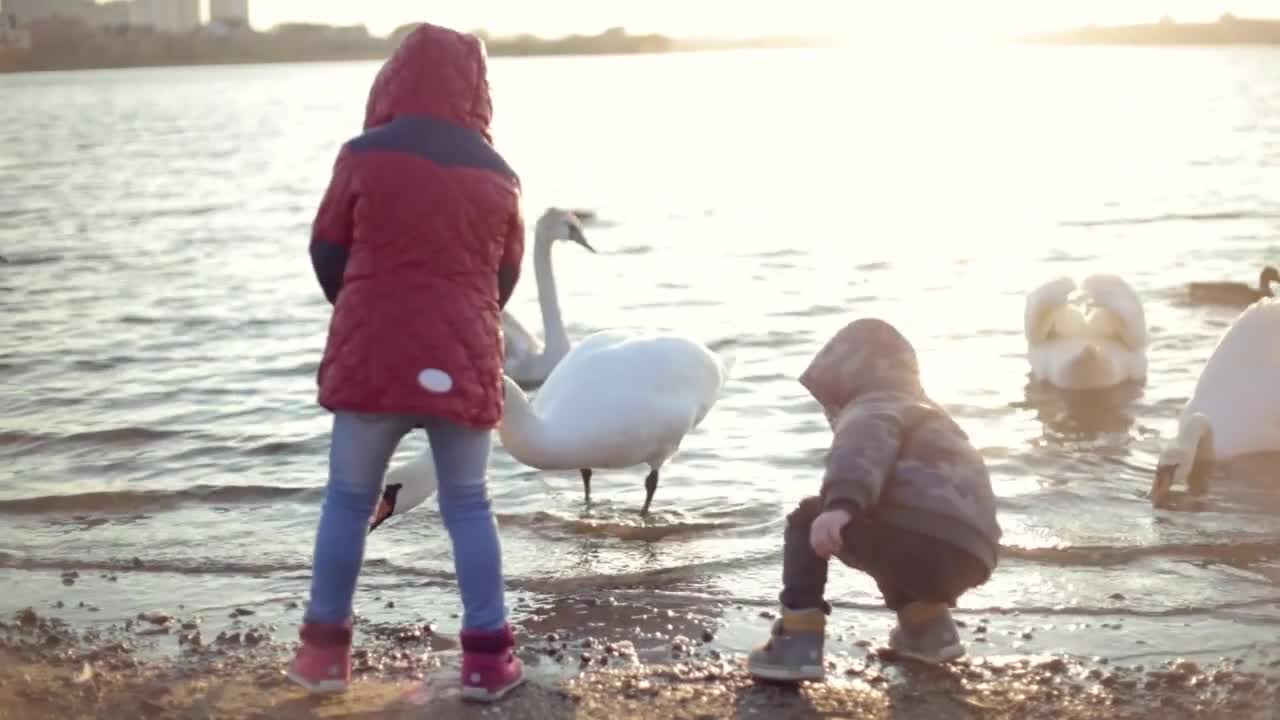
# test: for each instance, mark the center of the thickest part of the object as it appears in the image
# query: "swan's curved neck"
(555, 338)
(523, 433)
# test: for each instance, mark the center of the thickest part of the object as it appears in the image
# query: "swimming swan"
(615, 401)
(527, 360)
(1234, 293)
(1100, 348)
(1233, 411)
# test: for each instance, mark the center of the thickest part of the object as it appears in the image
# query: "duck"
(526, 359)
(1232, 412)
(615, 401)
(1234, 293)
(1102, 347)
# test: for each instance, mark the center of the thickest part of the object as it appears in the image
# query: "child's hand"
(826, 535)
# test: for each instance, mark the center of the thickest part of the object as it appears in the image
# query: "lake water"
(161, 325)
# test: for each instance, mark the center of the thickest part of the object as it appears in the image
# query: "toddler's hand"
(826, 534)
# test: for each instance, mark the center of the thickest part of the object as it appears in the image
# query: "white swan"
(527, 360)
(614, 401)
(1099, 348)
(619, 401)
(1233, 411)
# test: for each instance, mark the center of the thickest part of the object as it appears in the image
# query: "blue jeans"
(360, 449)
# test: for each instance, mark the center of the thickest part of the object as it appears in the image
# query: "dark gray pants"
(907, 566)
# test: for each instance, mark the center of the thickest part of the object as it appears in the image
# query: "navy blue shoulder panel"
(439, 141)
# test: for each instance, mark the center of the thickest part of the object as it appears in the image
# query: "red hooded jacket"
(418, 242)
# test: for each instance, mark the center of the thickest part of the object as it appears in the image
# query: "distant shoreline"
(222, 62)
(1226, 32)
(363, 57)
(64, 47)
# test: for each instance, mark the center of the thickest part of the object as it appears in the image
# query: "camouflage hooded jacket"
(896, 455)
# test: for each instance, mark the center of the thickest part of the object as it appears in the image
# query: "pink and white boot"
(323, 663)
(490, 668)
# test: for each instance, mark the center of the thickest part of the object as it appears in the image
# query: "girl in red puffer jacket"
(417, 243)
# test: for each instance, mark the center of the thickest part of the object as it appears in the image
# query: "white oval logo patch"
(437, 381)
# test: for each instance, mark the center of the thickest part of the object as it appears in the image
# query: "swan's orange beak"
(386, 506)
(1162, 485)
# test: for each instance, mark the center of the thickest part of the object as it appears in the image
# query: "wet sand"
(164, 666)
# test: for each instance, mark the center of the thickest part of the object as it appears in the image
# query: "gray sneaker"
(933, 641)
(788, 657)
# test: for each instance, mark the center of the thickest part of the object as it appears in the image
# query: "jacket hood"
(867, 355)
(436, 72)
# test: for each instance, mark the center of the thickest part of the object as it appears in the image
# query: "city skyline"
(730, 18)
(902, 21)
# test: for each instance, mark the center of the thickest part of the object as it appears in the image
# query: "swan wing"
(599, 341)
(1124, 318)
(1236, 389)
(618, 400)
(688, 377)
(590, 361)
(519, 345)
(715, 377)
(1043, 306)
(1126, 363)
(518, 340)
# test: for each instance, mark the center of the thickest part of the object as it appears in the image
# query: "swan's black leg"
(586, 483)
(650, 484)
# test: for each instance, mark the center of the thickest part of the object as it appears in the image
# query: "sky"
(733, 18)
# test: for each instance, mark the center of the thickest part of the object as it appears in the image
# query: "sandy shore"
(50, 670)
